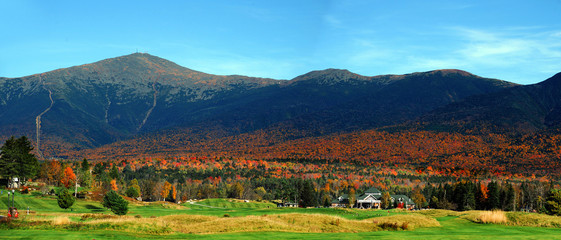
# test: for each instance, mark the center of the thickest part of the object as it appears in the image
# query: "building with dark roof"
(372, 199)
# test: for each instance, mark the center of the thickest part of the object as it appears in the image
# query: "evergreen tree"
(16, 159)
(114, 172)
(459, 197)
(509, 198)
(127, 173)
(132, 192)
(448, 193)
(65, 199)
(116, 203)
(493, 199)
(84, 174)
(99, 168)
(480, 196)
(433, 202)
(308, 194)
(469, 199)
(525, 198)
(325, 199)
(439, 193)
(85, 165)
(502, 197)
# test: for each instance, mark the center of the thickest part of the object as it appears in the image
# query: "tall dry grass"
(408, 221)
(198, 224)
(294, 222)
(495, 216)
(283, 223)
(61, 220)
(533, 220)
(131, 224)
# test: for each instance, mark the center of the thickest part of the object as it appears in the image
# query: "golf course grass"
(236, 219)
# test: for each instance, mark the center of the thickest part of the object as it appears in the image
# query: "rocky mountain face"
(142, 95)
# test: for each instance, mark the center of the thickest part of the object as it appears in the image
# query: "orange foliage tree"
(173, 192)
(51, 171)
(68, 178)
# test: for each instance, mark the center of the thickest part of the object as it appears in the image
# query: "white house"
(370, 199)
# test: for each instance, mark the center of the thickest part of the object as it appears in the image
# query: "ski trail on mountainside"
(153, 104)
(108, 105)
(103, 75)
(38, 118)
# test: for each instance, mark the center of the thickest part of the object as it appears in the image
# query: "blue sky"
(518, 41)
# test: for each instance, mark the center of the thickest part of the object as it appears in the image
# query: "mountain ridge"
(523, 108)
(125, 97)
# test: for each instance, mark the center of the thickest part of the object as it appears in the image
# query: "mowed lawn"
(451, 227)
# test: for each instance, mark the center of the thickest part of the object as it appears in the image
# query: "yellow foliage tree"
(165, 190)
(114, 185)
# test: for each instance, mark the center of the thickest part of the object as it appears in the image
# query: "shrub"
(405, 225)
(132, 192)
(25, 190)
(394, 225)
(389, 226)
(116, 203)
(65, 199)
(553, 202)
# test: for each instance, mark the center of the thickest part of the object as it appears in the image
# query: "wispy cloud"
(510, 49)
(483, 43)
(332, 21)
(499, 53)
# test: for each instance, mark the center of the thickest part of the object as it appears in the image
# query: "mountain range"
(143, 98)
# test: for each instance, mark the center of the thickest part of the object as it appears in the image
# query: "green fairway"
(38, 225)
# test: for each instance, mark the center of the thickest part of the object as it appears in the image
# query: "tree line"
(304, 181)
(150, 183)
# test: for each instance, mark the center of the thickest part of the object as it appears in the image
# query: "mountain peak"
(329, 76)
(140, 62)
(446, 72)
